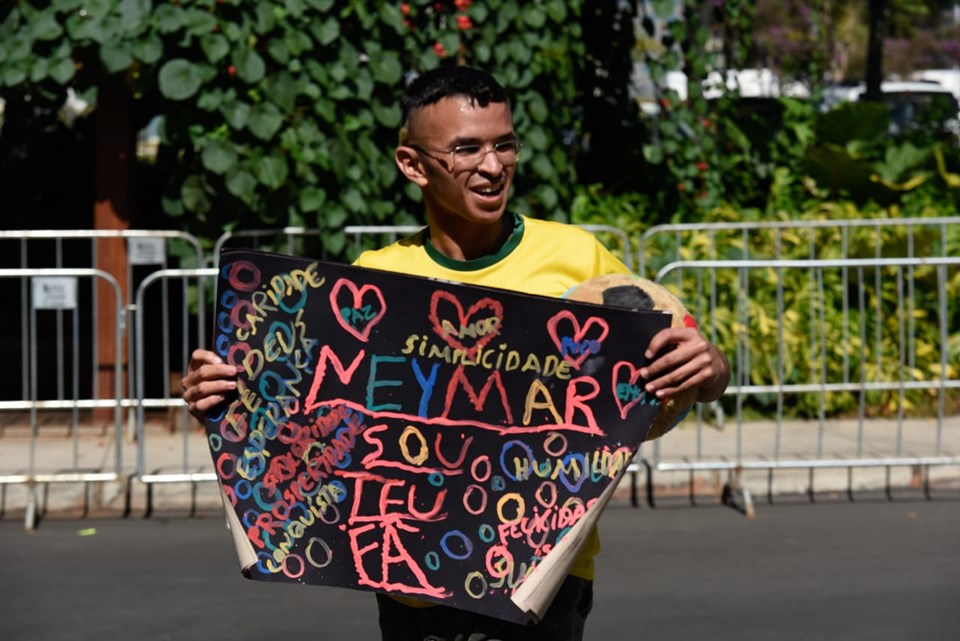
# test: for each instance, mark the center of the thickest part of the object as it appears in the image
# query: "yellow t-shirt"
(540, 257)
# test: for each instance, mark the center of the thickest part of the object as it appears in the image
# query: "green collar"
(477, 263)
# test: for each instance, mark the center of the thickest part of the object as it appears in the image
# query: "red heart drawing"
(482, 329)
(631, 381)
(577, 337)
(358, 318)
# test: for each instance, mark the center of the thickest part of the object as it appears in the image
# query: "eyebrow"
(462, 141)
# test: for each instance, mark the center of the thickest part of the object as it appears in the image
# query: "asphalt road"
(853, 571)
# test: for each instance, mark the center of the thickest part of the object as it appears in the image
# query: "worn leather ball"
(633, 292)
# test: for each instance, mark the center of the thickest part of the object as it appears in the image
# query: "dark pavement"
(869, 570)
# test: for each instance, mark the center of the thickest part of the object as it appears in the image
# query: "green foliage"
(285, 112)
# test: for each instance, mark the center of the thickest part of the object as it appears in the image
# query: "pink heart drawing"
(575, 346)
(480, 330)
(625, 390)
(361, 313)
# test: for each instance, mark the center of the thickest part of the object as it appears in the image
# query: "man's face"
(455, 196)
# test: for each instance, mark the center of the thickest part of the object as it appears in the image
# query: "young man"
(459, 147)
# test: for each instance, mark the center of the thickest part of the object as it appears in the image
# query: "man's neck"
(469, 243)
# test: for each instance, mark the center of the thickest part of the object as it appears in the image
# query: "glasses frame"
(426, 151)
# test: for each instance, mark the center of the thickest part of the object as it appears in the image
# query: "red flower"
(706, 123)
(464, 23)
(405, 9)
(702, 166)
(462, 5)
(232, 70)
(439, 50)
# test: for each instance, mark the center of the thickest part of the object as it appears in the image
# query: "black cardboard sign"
(416, 437)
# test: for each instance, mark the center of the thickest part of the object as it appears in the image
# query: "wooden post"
(113, 209)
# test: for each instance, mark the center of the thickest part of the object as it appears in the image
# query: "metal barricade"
(55, 338)
(175, 451)
(286, 239)
(146, 250)
(797, 239)
(864, 337)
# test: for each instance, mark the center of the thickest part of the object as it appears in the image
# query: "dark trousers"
(563, 621)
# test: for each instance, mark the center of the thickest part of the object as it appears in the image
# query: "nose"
(489, 166)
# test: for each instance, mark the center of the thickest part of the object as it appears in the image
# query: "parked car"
(912, 104)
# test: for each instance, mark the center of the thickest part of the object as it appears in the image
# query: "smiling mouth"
(488, 192)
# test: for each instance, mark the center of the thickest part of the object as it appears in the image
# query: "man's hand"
(207, 383)
(690, 362)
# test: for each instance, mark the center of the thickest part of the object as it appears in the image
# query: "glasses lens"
(471, 156)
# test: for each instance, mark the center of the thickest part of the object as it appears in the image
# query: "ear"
(408, 161)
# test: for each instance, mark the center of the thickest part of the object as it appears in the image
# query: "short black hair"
(443, 82)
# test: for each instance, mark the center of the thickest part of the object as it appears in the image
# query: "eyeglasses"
(469, 157)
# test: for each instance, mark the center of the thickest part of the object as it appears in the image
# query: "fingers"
(688, 365)
(208, 382)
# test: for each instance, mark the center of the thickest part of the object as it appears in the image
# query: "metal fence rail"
(661, 245)
(817, 338)
(177, 337)
(145, 250)
(53, 295)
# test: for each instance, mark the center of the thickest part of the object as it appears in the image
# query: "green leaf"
(198, 22)
(265, 120)
(115, 56)
(171, 207)
(663, 8)
(326, 32)
(179, 79)
(283, 88)
(134, 15)
(63, 70)
(148, 49)
(241, 184)
(277, 49)
(354, 200)
(250, 66)
(64, 6)
(321, 5)
(215, 47)
(98, 8)
(334, 242)
(538, 108)
(536, 138)
(39, 70)
(210, 99)
(218, 156)
(548, 196)
(312, 199)
(193, 193)
(272, 171)
(13, 73)
(534, 17)
(387, 68)
(169, 18)
(18, 48)
(557, 10)
(387, 115)
(542, 167)
(44, 26)
(236, 113)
